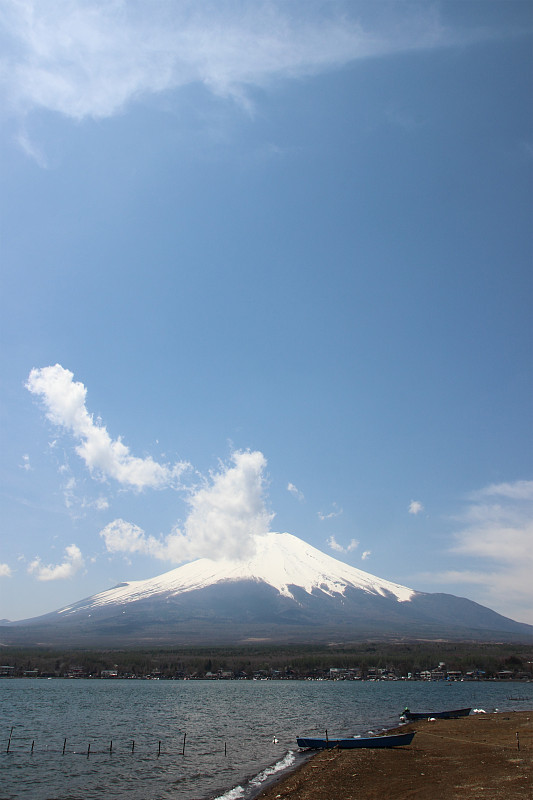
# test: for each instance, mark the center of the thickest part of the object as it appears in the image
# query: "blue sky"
(266, 266)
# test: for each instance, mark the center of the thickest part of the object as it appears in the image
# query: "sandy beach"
(486, 756)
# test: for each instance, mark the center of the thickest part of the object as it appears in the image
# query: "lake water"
(182, 740)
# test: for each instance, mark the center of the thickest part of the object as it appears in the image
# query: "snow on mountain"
(281, 560)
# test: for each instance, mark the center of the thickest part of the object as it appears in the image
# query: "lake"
(153, 740)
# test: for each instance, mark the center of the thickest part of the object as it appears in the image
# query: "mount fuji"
(287, 591)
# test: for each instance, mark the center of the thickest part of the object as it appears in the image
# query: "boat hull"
(414, 715)
(396, 740)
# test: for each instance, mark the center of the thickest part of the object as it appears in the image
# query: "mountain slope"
(288, 591)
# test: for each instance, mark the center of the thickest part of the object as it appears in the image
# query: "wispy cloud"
(499, 524)
(71, 564)
(415, 507)
(226, 515)
(366, 554)
(64, 400)
(519, 490)
(101, 503)
(5, 571)
(88, 58)
(335, 513)
(295, 492)
(496, 541)
(32, 149)
(334, 544)
(26, 463)
(69, 493)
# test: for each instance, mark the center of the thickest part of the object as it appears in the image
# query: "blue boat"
(409, 716)
(393, 740)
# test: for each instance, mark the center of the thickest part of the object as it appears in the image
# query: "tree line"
(366, 659)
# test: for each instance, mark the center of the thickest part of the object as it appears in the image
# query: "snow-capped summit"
(281, 561)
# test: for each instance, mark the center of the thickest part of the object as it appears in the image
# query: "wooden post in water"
(133, 745)
(517, 741)
(225, 749)
(326, 737)
(183, 748)
(159, 749)
(88, 750)
(9, 742)
(111, 747)
(32, 744)
(64, 745)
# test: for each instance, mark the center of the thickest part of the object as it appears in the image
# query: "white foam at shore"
(233, 794)
(238, 791)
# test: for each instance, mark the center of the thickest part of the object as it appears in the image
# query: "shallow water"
(153, 740)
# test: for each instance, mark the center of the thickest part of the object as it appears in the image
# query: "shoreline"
(482, 755)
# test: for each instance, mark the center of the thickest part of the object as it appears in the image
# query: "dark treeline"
(366, 659)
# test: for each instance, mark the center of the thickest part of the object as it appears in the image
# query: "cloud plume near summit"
(226, 515)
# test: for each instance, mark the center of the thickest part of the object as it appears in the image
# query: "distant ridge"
(288, 591)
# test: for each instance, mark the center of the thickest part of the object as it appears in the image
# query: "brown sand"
(462, 759)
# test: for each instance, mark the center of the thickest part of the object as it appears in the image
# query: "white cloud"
(519, 490)
(64, 400)
(226, 515)
(71, 564)
(89, 58)
(26, 463)
(334, 544)
(32, 150)
(335, 513)
(496, 542)
(69, 492)
(5, 571)
(125, 537)
(101, 503)
(366, 554)
(415, 507)
(295, 492)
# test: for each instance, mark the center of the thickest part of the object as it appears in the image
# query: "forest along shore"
(480, 756)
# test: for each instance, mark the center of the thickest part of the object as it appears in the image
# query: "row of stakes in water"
(110, 750)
